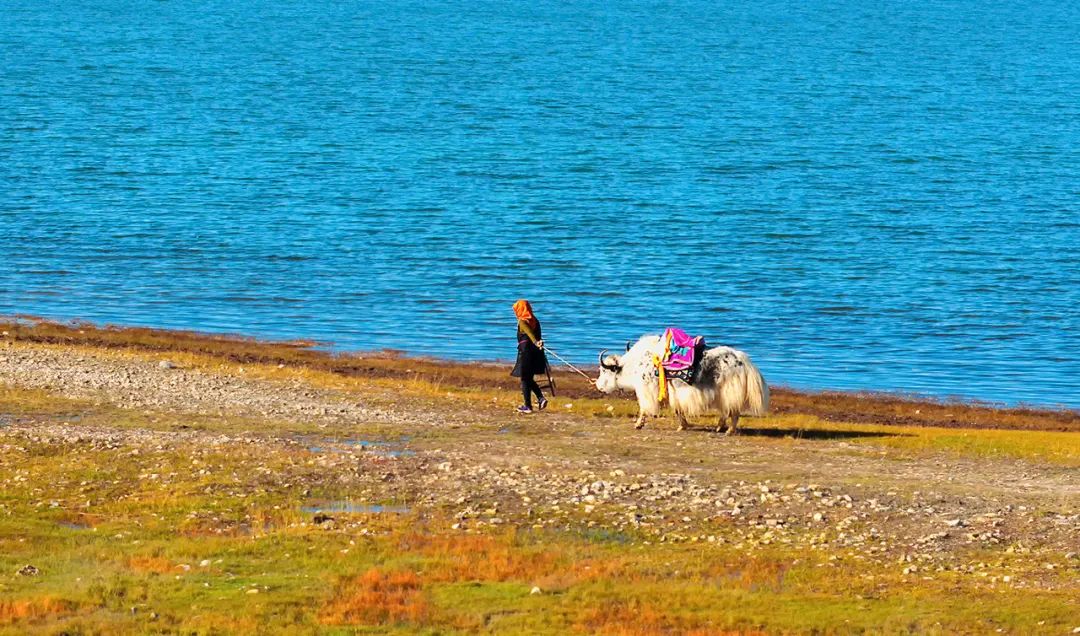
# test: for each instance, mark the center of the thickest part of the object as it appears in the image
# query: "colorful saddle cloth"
(680, 350)
(679, 358)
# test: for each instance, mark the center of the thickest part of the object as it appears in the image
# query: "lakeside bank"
(859, 407)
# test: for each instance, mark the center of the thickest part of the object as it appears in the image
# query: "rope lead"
(560, 359)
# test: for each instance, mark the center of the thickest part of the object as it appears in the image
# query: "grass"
(1061, 448)
(186, 536)
(229, 553)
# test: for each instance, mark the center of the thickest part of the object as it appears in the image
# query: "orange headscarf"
(523, 310)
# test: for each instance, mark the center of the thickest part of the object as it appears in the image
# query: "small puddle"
(74, 525)
(378, 448)
(352, 507)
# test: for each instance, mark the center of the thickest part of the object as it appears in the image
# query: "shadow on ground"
(810, 434)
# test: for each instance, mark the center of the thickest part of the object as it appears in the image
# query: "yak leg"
(720, 419)
(734, 428)
(682, 421)
(640, 423)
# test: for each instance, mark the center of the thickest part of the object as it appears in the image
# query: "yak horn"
(628, 345)
(602, 359)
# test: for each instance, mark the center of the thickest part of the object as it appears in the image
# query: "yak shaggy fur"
(728, 384)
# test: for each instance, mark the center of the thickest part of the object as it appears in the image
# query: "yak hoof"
(732, 431)
(639, 425)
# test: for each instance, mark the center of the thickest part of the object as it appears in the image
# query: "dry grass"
(41, 608)
(1062, 448)
(642, 618)
(892, 409)
(151, 565)
(377, 598)
(478, 558)
(752, 573)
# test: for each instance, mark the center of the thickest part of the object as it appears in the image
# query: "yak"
(727, 383)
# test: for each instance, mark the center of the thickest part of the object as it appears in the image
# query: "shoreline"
(870, 407)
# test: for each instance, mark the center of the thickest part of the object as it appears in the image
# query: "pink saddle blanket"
(680, 349)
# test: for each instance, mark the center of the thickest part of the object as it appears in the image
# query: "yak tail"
(757, 391)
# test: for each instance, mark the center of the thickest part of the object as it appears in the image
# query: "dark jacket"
(530, 358)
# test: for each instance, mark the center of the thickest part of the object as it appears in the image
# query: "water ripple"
(885, 201)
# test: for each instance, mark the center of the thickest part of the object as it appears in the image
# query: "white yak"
(727, 383)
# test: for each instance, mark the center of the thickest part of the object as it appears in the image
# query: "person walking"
(531, 359)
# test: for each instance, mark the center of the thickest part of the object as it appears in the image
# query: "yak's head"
(610, 368)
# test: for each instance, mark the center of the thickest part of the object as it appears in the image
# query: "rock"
(253, 591)
(535, 590)
(28, 570)
(955, 523)
(166, 364)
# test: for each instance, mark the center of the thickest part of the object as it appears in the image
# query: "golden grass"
(478, 558)
(41, 608)
(377, 598)
(151, 564)
(1062, 448)
(22, 402)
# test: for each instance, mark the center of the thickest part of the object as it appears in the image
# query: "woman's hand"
(539, 344)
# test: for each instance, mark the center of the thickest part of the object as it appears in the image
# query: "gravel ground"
(853, 500)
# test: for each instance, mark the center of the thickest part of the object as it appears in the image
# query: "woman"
(530, 358)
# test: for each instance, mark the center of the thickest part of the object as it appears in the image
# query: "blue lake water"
(862, 195)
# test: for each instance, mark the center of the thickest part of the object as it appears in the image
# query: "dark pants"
(528, 387)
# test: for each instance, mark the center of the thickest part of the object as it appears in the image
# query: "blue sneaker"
(524, 410)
